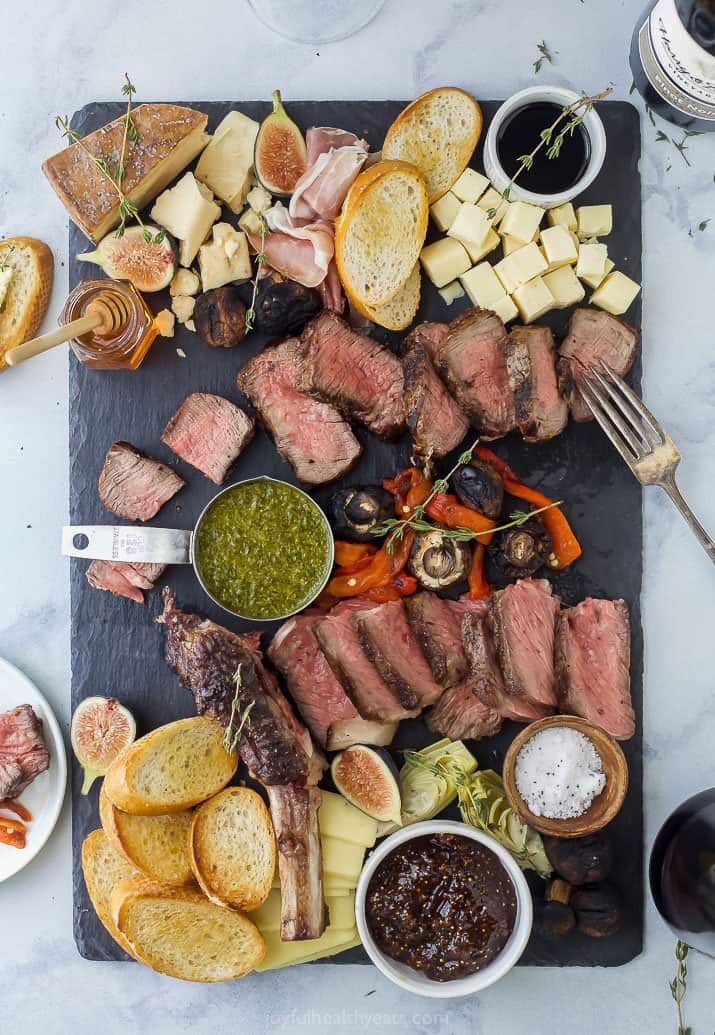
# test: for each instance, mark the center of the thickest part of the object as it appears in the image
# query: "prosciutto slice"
(321, 190)
(301, 253)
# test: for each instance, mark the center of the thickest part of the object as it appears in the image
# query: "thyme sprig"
(5, 257)
(544, 55)
(680, 146)
(678, 986)
(463, 535)
(261, 260)
(232, 734)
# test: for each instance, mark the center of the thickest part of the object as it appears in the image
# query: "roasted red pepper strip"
(401, 586)
(406, 585)
(410, 489)
(14, 806)
(347, 555)
(12, 824)
(14, 839)
(379, 572)
(450, 512)
(478, 585)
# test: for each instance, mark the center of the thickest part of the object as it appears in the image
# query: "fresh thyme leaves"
(681, 146)
(261, 259)
(704, 225)
(544, 55)
(678, 986)
(5, 257)
(232, 734)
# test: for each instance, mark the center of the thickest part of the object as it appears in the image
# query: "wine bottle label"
(678, 69)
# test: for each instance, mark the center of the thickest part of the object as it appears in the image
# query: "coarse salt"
(558, 773)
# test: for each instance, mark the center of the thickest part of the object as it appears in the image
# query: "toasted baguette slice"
(400, 312)
(178, 932)
(171, 769)
(156, 846)
(380, 232)
(103, 867)
(30, 267)
(168, 138)
(232, 848)
(438, 133)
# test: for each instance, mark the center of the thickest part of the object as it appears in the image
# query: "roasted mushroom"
(479, 486)
(437, 561)
(522, 550)
(284, 307)
(220, 317)
(598, 910)
(581, 860)
(354, 512)
(553, 915)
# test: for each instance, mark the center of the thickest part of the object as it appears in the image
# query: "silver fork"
(641, 440)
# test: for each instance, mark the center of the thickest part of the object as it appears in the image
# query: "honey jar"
(125, 347)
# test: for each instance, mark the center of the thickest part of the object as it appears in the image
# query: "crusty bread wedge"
(26, 274)
(156, 846)
(232, 848)
(178, 932)
(171, 769)
(399, 313)
(380, 232)
(438, 133)
(103, 867)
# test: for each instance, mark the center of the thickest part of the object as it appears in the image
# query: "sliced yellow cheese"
(286, 954)
(226, 165)
(341, 859)
(338, 818)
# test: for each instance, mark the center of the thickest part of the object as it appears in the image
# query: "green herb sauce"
(263, 549)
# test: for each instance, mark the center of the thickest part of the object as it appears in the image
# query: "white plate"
(46, 793)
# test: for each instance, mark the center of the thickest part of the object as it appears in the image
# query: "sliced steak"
(435, 420)
(541, 413)
(133, 486)
(208, 432)
(523, 619)
(486, 678)
(472, 360)
(436, 626)
(124, 579)
(23, 754)
(593, 657)
(430, 335)
(460, 714)
(391, 645)
(310, 435)
(353, 372)
(592, 337)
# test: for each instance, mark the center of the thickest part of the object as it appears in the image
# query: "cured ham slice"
(321, 190)
(301, 253)
(319, 139)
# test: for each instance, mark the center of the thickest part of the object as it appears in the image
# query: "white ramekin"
(414, 981)
(553, 95)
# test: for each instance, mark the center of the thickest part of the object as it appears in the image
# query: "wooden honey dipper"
(105, 315)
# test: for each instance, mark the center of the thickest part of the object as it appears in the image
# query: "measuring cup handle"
(127, 543)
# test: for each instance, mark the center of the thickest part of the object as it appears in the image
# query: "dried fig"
(220, 317)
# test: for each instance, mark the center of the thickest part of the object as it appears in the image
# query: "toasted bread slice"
(178, 932)
(156, 846)
(171, 769)
(380, 232)
(438, 133)
(28, 270)
(103, 867)
(233, 848)
(400, 312)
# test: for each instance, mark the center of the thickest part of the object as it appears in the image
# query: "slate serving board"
(117, 649)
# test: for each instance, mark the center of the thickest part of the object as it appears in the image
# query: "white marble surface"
(54, 58)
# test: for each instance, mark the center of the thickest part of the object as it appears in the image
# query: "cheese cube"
(565, 286)
(250, 222)
(505, 309)
(533, 300)
(563, 215)
(616, 293)
(521, 266)
(226, 165)
(470, 225)
(226, 259)
(187, 211)
(491, 241)
(444, 210)
(594, 220)
(559, 248)
(451, 292)
(591, 260)
(259, 199)
(511, 244)
(493, 201)
(444, 260)
(470, 186)
(482, 285)
(522, 221)
(596, 281)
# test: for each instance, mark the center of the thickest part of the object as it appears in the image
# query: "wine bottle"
(673, 61)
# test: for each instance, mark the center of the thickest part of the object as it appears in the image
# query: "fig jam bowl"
(505, 910)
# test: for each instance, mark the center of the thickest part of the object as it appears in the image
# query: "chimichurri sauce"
(263, 549)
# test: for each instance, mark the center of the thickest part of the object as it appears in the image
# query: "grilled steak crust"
(133, 486)
(435, 420)
(389, 642)
(430, 335)
(460, 714)
(523, 618)
(23, 754)
(541, 413)
(593, 336)
(436, 626)
(309, 435)
(593, 654)
(209, 432)
(486, 678)
(124, 579)
(353, 372)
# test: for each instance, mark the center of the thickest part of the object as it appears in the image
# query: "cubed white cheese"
(187, 211)
(184, 282)
(511, 244)
(5, 278)
(563, 215)
(451, 292)
(591, 260)
(521, 266)
(225, 259)
(490, 242)
(259, 199)
(482, 285)
(470, 186)
(559, 247)
(522, 221)
(250, 222)
(565, 286)
(616, 293)
(533, 300)
(493, 201)
(470, 225)
(444, 260)
(226, 165)
(183, 307)
(444, 210)
(596, 281)
(505, 309)
(594, 220)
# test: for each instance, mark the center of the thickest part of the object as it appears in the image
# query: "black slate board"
(118, 650)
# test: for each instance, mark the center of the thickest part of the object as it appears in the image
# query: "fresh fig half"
(101, 728)
(148, 264)
(368, 778)
(280, 156)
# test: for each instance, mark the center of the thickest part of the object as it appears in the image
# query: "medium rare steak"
(23, 754)
(523, 619)
(472, 360)
(486, 678)
(133, 486)
(593, 336)
(435, 420)
(436, 626)
(310, 435)
(460, 714)
(541, 413)
(353, 372)
(208, 432)
(430, 335)
(593, 657)
(391, 645)
(124, 579)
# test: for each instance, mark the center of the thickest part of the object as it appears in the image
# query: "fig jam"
(519, 134)
(442, 904)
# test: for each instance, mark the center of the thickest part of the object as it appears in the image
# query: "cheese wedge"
(187, 211)
(227, 163)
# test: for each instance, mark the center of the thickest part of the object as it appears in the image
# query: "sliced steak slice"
(486, 678)
(592, 337)
(310, 435)
(124, 579)
(523, 618)
(430, 335)
(472, 360)
(460, 714)
(23, 754)
(541, 413)
(133, 486)
(435, 420)
(209, 432)
(391, 645)
(436, 626)
(593, 657)
(353, 372)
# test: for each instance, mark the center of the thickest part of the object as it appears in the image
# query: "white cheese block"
(521, 266)
(591, 260)
(490, 242)
(451, 292)
(505, 309)
(565, 286)
(559, 247)
(444, 260)
(470, 225)
(482, 285)
(594, 220)
(616, 293)
(493, 201)
(511, 244)
(225, 259)
(187, 211)
(522, 221)
(444, 210)
(470, 186)
(563, 215)
(5, 278)
(338, 818)
(250, 221)
(596, 281)
(259, 199)
(226, 166)
(533, 300)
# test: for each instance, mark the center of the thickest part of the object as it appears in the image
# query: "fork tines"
(630, 426)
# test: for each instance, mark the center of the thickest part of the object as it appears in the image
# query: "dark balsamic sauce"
(519, 134)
